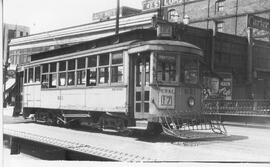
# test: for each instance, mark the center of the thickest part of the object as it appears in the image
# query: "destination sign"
(153, 4)
(258, 22)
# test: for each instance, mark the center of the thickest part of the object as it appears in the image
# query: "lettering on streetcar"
(166, 98)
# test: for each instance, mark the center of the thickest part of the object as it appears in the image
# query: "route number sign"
(166, 98)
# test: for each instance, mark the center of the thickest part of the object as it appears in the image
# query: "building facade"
(227, 16)
(246, 63)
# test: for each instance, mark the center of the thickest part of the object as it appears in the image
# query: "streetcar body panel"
(144, 80)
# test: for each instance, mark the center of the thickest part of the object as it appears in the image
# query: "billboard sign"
(154, 4)
(258, 22)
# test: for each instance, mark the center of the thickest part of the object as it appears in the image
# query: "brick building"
(225, 53)
(228, 16)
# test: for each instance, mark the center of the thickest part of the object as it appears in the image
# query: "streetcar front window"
(166, 68)
(189, 70)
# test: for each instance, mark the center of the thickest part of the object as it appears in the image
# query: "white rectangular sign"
(166, 98)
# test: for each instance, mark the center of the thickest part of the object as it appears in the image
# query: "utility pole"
(117, 18)
(161, 4)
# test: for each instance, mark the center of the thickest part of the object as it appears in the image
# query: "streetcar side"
(80, 85)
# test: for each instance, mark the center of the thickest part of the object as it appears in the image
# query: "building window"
(219, 26)
(21, 33)
(173, 15)
(220, 5)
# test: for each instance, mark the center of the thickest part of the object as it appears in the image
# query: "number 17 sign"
(166, 98)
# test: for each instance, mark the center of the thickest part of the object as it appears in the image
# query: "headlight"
(191, 101)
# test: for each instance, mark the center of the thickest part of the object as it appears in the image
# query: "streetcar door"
(142, 79)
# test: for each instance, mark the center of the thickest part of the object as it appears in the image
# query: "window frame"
(182, 74)
(219, 25)
(116, 65)
(219, 6)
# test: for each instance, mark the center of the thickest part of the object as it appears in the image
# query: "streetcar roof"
(165, 45)
(133, 46)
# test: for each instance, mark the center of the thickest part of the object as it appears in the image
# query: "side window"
(45, 76)
(25, 76)
(117, 68)
(62, 73)
(103, 69)
(37, 74)
(92, 71)
(71, 73)
(53, 75)
(81, 75)
(31, 75)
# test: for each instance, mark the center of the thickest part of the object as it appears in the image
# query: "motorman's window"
(166, 68)
(37, 74)
(189, 70)
(117, 68)
(31, 75)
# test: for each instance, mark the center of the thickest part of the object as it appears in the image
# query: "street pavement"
(244, 144)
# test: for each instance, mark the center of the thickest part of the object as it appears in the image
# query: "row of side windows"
(87, 71)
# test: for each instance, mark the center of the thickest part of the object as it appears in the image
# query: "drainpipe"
(208, 14)
(236, 17)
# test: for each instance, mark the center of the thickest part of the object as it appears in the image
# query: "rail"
(240, 107)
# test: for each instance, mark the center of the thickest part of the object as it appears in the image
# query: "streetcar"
(147, 82)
